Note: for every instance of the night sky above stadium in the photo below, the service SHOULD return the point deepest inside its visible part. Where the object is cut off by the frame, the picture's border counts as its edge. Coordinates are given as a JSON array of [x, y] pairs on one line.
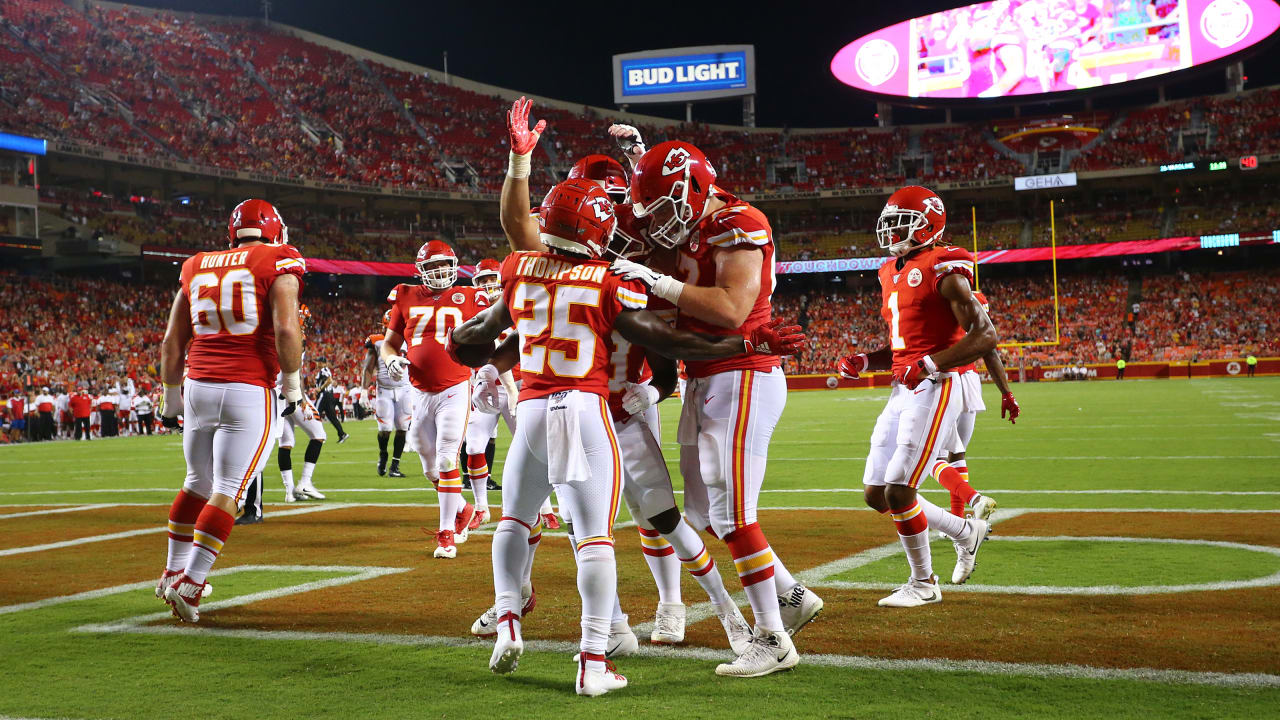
[[564, 50]]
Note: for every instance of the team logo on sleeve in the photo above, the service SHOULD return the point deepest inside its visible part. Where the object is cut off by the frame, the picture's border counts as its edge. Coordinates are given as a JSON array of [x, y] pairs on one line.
[[915, 277], [459, 298], [676, 160]]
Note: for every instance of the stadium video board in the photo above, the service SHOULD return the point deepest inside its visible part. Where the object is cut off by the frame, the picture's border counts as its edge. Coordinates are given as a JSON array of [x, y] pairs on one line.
[[684, 74], [1008, 48]]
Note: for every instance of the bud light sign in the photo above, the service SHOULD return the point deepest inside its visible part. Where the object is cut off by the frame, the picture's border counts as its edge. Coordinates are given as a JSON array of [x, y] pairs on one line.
[[684, 74]]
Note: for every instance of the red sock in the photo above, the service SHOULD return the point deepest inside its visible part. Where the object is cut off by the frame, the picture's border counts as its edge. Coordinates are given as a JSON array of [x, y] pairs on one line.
[[182, 520], [213, 527], [910, 520], [955, 483], [477, 468], [753, 559]]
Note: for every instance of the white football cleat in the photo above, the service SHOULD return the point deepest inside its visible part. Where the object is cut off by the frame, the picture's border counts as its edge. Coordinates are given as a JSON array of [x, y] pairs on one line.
[[289, 493], [593, 683], [798, 607], [307, 490], [508, 647], [984, 508], [486, 625], [768, 653], [445, 547], [622, 641], [668, 624], [736, 629], [169, 578], [184, 597], [967, 551], [913, 593]]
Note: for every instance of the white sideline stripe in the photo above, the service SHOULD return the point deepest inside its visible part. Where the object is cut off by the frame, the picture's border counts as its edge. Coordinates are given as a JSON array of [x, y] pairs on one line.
[[819, 574], [55, 511], [221, 572], [144, 531], [293, 508], [855, 662], [1001, 491]]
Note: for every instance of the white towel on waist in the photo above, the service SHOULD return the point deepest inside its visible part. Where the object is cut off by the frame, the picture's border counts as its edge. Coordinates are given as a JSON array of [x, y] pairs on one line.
[[566, 456]]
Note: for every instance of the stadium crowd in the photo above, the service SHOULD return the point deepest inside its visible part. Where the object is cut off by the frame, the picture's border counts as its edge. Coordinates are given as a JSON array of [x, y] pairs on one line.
[[98, 335], [241, 95]]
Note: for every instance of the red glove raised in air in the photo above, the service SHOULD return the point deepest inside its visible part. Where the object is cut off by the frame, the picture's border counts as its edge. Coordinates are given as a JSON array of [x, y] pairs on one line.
[[1009, 404], [774, 338], [853, 365], [522, 138]]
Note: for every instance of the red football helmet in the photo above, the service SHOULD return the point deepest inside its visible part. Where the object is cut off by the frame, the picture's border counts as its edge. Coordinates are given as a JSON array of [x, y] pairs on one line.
[[386, 319], [257, 220], [605, 170], [437, 265], [577, 217], [304, 314], [912, 218], [671, 185], [488, 276]]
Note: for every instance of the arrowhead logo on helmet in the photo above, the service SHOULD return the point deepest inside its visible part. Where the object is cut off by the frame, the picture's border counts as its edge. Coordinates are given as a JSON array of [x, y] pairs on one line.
[[671, 185], [437, 265], [912, 218], [577, 217]]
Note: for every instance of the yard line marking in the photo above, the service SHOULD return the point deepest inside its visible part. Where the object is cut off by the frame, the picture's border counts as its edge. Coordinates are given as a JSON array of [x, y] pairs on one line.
[[889, 550], [145, 531], [855, 662], [360, 572], [55, 511]]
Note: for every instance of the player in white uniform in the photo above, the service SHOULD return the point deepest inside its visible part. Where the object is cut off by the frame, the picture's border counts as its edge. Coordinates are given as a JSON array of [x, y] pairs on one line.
[[307, 419], [392, 403]]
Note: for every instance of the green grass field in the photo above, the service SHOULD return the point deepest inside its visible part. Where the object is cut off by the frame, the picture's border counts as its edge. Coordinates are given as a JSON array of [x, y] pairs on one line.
[[1134, 573]]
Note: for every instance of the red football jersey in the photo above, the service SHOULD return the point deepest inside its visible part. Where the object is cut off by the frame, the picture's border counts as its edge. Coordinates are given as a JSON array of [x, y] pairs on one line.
[[234, 337], [425, 318], [564, 311], [737, 225], [920, 319]]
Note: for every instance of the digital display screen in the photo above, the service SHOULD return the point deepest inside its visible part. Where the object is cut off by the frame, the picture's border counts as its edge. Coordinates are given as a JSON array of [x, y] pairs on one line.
[[1008, 48]]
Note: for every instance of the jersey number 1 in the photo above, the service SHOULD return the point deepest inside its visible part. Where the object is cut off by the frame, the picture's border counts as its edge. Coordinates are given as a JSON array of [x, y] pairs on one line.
[[896, 341]]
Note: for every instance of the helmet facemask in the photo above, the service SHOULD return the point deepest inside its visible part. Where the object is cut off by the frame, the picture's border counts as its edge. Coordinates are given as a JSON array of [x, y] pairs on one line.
[[897, 227], [674, 230], [438, 273], [490, 283]]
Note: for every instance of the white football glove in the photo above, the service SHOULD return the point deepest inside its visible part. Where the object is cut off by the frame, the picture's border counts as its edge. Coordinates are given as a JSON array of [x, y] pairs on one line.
[[485, 397], [171, 407], [663, 286], [629, 142], [636, 398], [396, 366]]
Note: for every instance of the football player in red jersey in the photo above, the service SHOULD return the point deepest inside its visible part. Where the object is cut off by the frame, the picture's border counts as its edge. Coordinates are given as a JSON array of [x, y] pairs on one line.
[[234, 325], [722, 281], [422, 316], [392, 405], [667, 540], [565, 304], [935, 326]]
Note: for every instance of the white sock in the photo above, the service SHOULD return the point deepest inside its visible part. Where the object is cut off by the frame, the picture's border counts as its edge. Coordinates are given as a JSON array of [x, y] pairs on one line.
[[308, 469], [917, 547], [450, 504], [954, 527], [287, 477], [690, 551], [663, 564], [510, 555], [526, 579], [597, 584], [783, 580]]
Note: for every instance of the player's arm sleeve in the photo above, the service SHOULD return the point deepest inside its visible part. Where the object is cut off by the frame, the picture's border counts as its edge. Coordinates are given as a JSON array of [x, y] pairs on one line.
[[953, 261], [290, 262], [741, 228]]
